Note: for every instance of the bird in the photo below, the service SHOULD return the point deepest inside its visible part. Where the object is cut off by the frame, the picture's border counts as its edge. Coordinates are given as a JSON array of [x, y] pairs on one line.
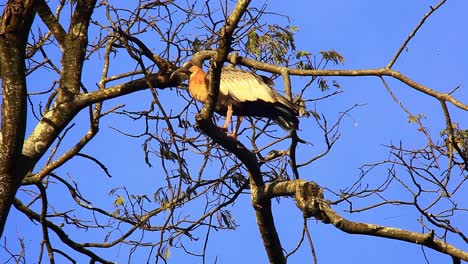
[[242, 93]]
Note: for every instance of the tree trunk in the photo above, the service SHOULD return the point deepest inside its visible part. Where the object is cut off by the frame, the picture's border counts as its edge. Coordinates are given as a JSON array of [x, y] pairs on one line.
[[16, 21], [13, 125]]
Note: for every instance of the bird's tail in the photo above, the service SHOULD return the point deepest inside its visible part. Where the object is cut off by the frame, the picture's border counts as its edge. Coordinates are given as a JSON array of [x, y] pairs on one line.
[[286, 118]]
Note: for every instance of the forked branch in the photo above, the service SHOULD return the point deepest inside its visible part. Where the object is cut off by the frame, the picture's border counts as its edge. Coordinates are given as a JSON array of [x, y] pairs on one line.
[[309, 199], [262, 206]]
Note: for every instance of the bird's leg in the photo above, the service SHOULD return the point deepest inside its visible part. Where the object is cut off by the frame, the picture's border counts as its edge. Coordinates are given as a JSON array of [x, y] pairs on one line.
[[239, 120], [228, 117], [229, 113]]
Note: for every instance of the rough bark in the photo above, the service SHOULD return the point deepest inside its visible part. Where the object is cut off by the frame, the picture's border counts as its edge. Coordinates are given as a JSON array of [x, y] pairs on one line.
[[16, 22], [309, 198], [262, 206], [18, 155]]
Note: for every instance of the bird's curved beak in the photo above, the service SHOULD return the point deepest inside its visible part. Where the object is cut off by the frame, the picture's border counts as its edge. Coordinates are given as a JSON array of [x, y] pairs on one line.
[[180, 74]]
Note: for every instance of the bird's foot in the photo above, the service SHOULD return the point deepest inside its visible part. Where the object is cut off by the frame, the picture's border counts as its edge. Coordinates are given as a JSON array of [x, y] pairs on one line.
[[231, 135]]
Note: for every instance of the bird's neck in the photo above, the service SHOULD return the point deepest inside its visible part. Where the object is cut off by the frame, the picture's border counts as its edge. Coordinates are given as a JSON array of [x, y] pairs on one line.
[[198, 86]]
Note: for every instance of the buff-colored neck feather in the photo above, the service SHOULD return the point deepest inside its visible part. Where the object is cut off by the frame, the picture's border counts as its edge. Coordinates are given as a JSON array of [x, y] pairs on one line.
[[198, 86]]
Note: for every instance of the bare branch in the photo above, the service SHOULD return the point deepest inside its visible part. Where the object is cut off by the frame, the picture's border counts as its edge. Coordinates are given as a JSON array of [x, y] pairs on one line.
[[60, 233], [353, 73], [415, 30], [309, 198], [52, 22]]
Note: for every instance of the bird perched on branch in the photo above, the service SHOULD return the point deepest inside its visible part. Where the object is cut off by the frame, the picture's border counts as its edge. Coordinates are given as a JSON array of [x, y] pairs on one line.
[[242, 93]]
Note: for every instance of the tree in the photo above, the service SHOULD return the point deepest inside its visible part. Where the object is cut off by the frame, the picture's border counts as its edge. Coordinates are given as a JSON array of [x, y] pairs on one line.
[[59, 68]]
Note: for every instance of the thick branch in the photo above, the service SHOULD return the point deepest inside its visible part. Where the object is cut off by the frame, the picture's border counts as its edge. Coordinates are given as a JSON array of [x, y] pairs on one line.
[[221, 54], [262, 206], [55, 120], [352, 73], [51, 21], [158, 80], [74, 50], [14, 29], [58, 117], [394, 233], [309, 198]]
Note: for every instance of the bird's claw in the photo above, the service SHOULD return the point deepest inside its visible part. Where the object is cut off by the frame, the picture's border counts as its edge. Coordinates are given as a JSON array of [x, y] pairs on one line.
[[231, 135]]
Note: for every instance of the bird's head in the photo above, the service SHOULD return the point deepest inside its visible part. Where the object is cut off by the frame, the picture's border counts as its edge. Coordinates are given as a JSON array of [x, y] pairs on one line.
[[183, 72]]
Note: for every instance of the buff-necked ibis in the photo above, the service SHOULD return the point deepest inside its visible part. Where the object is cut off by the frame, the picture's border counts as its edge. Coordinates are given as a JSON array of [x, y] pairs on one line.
[[242, 93]]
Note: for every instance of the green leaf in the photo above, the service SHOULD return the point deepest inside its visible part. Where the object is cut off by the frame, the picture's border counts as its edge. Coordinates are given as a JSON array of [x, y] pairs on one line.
[[333, 56], [253, 45], [167, 253], [323, 84], [412, 119], [226, 219], [197, 45], [336, 84], [271, 43], [116, 213], [302, 53], [293, 28], [119, 201]]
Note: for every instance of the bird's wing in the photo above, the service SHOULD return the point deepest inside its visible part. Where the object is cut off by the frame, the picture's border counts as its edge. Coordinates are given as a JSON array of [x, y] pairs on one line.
[[243, 86]]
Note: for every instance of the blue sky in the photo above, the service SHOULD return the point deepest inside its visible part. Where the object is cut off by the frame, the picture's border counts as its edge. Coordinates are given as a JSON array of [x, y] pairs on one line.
[[367, 33]]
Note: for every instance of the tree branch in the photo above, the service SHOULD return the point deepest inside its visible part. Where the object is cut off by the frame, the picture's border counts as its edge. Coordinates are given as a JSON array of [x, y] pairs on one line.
[[60, 233], [74, 51], [15, 24], [157, 80], [394, 233], [51, 21], [403, 46], [309, 198], [352, 73], [262, 206]]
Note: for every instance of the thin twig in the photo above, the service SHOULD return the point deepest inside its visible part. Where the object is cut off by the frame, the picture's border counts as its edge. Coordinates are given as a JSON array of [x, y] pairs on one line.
[[311, 244], [403, 46]]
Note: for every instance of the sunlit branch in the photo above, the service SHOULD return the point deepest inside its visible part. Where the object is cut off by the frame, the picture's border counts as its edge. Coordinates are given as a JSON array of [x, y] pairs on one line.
[[353, 73], [52, 22], [309, 199], [262, 206], [158, 80], [198, 171], [427, 240]]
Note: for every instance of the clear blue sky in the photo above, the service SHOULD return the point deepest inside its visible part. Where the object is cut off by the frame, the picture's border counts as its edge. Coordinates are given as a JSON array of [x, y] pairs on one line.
[[367, 33]]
